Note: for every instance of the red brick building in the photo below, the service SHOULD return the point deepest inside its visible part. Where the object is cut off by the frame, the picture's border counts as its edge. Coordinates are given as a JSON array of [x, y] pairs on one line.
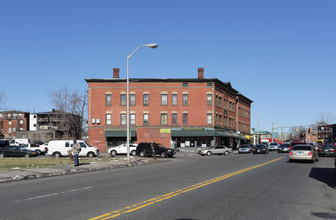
[[13, 121], [186, 113]]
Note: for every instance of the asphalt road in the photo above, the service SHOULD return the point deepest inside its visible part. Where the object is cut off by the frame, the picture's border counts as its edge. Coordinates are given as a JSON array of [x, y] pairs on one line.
[[189, 187]]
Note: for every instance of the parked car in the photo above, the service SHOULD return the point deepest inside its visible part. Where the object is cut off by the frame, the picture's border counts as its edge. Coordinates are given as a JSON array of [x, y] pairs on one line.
[[4, 142], [122, 149], [58, 148], [273, 146], [145, 149], [245, 149], [260, 149], [218, 149], [284, 148], [16, 151], [303, 152], [327, 150]]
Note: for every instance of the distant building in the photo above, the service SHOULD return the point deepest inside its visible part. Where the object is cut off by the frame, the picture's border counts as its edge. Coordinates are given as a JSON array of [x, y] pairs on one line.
[[327, 133], [179, 113], [42, 126]]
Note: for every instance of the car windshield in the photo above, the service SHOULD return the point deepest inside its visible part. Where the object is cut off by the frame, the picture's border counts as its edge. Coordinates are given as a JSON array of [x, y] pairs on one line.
[[302, 147], [245, 146], [274, 144], [284, 145]]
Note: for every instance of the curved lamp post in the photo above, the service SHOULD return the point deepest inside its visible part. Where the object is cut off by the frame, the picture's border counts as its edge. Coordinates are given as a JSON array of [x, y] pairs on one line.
[[127, 98]]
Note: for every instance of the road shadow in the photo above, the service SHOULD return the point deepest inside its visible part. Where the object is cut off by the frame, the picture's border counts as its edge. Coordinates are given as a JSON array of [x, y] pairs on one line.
[[324, 215], [325, 175]]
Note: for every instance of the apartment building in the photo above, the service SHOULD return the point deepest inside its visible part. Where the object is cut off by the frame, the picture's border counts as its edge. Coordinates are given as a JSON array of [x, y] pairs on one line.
[[180, 113], [42, 126], [11, 122]]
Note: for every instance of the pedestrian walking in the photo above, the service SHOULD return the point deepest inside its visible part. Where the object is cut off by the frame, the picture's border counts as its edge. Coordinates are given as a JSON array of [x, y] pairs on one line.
[[76, 148]]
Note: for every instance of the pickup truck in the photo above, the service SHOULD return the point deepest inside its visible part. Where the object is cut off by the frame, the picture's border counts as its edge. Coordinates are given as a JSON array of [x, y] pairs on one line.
[[39, 149]]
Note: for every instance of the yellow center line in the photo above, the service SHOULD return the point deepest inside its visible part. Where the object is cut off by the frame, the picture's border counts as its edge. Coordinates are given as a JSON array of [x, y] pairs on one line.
[[161, 198]]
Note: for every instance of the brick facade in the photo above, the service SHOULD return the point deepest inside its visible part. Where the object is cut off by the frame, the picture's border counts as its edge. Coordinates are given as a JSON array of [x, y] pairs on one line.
[[13, 121], [168, 103]]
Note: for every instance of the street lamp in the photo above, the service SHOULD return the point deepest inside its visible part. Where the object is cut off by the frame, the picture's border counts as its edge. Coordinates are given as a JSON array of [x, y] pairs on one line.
[[258, 124], [127, 98]]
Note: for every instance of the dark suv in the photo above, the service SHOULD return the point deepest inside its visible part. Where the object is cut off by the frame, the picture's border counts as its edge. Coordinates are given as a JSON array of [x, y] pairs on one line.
[[4, 143], [145, 149]]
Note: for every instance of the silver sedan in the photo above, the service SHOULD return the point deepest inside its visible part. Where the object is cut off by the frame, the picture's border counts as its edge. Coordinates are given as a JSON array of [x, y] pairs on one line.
[[303, 152], [219, 149]]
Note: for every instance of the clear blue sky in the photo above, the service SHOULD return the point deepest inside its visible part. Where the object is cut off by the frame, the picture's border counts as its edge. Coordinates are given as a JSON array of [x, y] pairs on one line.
[[280, 54]]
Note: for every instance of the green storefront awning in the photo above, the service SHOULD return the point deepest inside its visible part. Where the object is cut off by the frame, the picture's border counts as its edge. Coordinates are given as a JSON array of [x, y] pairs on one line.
[[239, 136], [223, 134], [119, 133]]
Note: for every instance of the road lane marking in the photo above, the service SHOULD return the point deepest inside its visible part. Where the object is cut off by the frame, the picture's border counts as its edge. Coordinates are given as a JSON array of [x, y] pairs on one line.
[[166, 196], [55, 194]]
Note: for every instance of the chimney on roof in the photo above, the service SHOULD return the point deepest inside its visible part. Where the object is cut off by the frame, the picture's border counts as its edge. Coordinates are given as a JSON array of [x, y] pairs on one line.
[[115, 73], [201, 73]]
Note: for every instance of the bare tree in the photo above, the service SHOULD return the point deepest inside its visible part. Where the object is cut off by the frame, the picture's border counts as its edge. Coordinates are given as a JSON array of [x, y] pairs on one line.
[[78, 103], [2, 99], [325, 119], [72, 107]]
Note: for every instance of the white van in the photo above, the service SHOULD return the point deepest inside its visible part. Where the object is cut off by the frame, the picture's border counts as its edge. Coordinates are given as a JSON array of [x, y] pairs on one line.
[[22, 141], [59, 148]]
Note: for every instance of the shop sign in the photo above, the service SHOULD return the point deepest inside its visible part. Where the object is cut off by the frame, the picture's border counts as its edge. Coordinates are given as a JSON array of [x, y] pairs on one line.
[[165, 130]]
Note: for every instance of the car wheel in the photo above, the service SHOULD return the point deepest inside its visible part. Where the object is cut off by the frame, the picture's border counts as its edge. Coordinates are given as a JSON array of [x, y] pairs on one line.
[[164, 155], [290, 160], [26, 156], [38, 152], [2, 155], [133, 153], [226, 153], [142, 153], [209, 153], [57, 154], [113, 153], [90, 154]]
